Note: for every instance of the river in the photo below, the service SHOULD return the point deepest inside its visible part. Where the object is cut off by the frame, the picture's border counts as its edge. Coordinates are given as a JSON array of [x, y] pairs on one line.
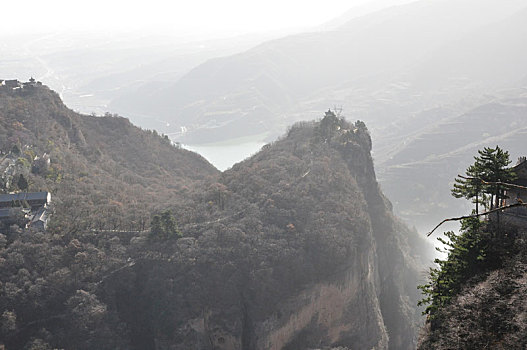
[[224, 155]]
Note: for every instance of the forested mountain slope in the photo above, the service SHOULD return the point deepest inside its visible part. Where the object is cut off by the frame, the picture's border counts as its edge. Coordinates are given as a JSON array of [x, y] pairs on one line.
[[101, 166], [490, 309], [105, 175], [293, 248]]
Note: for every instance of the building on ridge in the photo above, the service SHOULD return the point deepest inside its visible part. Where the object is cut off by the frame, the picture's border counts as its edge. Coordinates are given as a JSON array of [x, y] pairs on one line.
[[514, 195], [27, 209]]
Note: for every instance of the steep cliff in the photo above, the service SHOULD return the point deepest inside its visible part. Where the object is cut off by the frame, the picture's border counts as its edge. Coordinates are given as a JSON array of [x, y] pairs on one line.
[[298, 250]]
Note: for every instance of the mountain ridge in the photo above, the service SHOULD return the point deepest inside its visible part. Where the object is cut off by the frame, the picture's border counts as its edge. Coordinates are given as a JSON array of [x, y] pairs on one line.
[[294, 247]]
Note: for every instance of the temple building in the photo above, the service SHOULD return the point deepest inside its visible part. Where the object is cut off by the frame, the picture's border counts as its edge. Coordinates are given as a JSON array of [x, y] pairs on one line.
[[518, 215]]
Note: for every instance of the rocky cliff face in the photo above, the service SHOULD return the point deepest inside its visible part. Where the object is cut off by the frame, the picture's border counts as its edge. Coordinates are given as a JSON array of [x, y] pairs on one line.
[[300, 250]]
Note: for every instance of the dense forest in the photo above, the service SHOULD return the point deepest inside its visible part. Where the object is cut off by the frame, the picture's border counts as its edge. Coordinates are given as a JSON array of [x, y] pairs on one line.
[[99, 167], [150, 247]]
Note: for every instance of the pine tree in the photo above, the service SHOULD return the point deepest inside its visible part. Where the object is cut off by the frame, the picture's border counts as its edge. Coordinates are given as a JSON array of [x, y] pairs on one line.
[[467, 255], [489, 166], [169, 225], [470, 186], [156, 228], [164, 226], [494, 163], [22, 183], [474, 250]]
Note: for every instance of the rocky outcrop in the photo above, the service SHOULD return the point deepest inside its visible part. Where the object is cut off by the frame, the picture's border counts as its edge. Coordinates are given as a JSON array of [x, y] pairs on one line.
[[300, 251], [331, 312]]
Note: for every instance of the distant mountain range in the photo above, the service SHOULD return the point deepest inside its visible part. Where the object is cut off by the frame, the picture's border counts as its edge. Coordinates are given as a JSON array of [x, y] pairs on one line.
[[380, 67], [412, 72]]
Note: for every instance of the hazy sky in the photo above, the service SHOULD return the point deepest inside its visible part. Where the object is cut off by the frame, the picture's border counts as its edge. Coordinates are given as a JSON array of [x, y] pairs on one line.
[[198, 16]]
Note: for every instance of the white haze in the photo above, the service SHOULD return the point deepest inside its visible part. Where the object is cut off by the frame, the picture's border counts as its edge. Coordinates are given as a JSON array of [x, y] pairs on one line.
[[198, 18]]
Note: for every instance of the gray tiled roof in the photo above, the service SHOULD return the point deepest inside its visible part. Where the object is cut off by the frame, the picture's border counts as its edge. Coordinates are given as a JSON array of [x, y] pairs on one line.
[[28, 196]]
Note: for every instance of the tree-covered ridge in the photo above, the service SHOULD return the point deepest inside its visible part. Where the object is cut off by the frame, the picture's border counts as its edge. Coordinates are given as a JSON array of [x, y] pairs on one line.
[[106, 176], [482, 246], [100, 167], [223, 256], [308, 202]]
